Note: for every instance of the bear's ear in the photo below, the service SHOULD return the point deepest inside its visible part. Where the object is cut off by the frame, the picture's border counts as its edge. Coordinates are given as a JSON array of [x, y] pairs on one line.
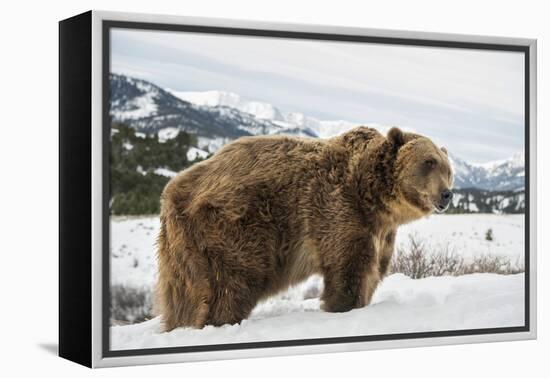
[[396, 137], [444, 150]]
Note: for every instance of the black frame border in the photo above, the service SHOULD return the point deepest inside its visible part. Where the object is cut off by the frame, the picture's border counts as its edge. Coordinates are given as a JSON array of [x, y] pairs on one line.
[[107, 25], [75, 189]]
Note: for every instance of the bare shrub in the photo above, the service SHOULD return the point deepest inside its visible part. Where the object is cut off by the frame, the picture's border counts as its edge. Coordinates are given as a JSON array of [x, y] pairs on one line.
[[417, 260], [493, 264], [445, 261], [130, 304], [413, 262]]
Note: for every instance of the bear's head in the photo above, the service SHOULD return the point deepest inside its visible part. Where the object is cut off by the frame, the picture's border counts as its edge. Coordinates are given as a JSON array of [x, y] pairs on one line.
[[422, 173]]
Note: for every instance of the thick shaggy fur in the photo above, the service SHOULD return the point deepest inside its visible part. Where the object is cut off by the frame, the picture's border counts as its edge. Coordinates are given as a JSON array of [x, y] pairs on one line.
[[265, 213]]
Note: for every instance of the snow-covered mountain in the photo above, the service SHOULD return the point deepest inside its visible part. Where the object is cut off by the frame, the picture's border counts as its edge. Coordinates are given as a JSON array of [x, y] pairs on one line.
[[151, 109], [217, 117], [508, 174], [260, 110], [266, 111]]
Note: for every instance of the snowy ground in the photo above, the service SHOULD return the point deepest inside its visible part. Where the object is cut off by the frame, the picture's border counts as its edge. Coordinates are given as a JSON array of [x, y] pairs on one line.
[[465, 233], [400, 304]]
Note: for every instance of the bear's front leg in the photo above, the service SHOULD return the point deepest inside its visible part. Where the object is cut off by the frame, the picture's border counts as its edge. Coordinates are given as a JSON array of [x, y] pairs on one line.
[[378, 271], [351, 275]]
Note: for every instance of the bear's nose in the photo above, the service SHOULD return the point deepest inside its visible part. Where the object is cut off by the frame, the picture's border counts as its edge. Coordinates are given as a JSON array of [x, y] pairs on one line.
[[447, 195]]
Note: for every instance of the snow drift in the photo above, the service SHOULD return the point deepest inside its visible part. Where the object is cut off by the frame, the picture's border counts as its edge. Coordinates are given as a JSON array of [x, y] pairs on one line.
[[400, 305]]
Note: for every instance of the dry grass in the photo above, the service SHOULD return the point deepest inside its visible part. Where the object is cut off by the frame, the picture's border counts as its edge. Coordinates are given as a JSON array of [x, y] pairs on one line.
[[130, 305], [418, 260]]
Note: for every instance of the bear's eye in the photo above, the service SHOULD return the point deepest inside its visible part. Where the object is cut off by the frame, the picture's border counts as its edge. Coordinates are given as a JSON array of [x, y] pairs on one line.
[[430, 163]]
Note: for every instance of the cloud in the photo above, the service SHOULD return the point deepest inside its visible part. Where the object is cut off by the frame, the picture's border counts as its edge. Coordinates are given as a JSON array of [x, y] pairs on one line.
[[464, 96]]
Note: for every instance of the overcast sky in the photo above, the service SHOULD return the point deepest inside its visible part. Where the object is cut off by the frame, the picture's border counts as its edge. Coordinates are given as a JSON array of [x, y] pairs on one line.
[[471, 101]]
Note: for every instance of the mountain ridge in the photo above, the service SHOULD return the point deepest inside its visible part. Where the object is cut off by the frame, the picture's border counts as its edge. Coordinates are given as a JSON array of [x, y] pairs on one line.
[[505, 174], [217, 117], [266, 111]]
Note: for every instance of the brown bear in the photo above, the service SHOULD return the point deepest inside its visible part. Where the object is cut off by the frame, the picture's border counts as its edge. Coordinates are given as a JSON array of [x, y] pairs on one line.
[[267, 212]]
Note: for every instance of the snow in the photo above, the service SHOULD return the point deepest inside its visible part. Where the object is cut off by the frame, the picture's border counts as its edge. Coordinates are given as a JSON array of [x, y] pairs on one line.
[[140, 170], [208, 98], [329, 129], [473, 207], [465, 233], [506, 174], [138, 107], [211, 144], [521, 201], [517, 160], [262, 110], [193, 153], [259, 109], [167, 133], [400, 304], [133, 240], [255, 130], [165, 172], [456, 198]]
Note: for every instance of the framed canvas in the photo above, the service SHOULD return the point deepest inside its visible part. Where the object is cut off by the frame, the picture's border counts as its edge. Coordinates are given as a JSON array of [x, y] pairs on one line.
[[232, 189]]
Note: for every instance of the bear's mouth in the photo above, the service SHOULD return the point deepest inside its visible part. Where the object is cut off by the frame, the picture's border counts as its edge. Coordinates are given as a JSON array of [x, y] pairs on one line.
[[440, 208]]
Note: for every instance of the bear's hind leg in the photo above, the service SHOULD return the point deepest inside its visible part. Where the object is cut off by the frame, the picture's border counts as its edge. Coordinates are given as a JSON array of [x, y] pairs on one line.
[[183, 290], [233, 298], [180, 306]]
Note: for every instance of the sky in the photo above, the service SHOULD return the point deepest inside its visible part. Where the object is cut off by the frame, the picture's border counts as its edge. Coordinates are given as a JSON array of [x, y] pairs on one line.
[[470, 101]]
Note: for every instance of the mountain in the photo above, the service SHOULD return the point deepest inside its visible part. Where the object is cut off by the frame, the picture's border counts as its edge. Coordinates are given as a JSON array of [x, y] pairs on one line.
[[151, 109], [217, 117], [500, 175], [298, 122], [260, 110]]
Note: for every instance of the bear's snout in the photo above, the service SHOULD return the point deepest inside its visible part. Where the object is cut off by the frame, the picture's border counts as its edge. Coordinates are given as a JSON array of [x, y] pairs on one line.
[[444, 201]]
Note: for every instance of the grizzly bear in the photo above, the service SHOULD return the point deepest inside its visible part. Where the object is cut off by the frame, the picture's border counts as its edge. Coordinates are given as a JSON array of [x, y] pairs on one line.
[[266, 212]]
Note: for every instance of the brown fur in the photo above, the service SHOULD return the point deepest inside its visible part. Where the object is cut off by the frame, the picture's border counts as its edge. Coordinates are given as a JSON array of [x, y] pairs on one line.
[[265, 213]]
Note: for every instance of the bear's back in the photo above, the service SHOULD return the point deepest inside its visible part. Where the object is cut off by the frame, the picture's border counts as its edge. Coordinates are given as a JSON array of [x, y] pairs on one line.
[[247, 170]]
